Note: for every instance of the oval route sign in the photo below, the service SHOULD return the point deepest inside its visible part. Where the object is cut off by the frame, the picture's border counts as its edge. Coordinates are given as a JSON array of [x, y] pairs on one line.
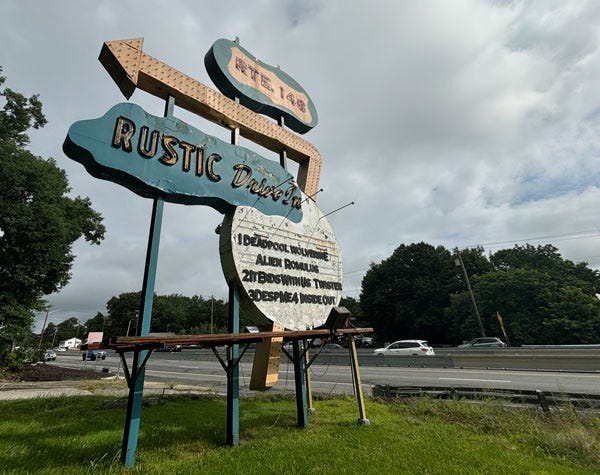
[[260, 87]]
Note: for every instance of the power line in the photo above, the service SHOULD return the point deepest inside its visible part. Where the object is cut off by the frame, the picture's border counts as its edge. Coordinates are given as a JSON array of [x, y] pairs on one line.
[[557, 237], [355, 271]]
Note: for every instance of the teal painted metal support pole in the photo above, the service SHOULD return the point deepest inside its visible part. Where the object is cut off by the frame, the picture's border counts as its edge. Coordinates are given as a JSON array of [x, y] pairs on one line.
[[301, 399], [301, 377], [150, 268], [132, 419], [136, 386], [233, 371], [233, 353]]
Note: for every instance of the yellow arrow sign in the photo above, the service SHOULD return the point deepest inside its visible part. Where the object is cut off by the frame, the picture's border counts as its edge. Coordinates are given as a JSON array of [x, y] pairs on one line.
[[130, 67]]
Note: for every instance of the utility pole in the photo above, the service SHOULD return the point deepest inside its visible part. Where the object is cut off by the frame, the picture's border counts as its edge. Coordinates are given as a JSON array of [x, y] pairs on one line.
[[459, 262], [43, 330], [212, 313]]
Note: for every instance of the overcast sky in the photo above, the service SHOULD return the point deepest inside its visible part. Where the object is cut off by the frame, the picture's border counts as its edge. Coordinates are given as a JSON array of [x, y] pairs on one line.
[[456, 123]]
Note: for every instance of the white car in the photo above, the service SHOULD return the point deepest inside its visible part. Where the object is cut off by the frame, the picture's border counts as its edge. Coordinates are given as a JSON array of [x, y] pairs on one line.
[[406, 347]]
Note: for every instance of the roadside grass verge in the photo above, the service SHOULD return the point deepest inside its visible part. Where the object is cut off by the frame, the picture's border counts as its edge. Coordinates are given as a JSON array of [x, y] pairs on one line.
[[420, 435]]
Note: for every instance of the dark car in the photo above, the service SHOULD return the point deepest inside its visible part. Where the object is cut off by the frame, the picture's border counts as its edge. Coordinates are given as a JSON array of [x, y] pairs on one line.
[[93, 355], [484, 342], [170, 348]]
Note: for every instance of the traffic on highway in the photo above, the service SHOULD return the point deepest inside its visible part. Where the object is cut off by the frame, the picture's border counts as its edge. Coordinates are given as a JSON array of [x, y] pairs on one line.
[[330, 372]]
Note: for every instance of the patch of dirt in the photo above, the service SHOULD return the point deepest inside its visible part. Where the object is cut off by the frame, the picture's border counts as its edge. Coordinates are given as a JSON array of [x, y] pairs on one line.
[[45, 372]]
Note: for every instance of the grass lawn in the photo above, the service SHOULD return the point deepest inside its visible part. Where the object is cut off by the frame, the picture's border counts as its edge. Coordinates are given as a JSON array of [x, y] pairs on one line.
[[183, 435]]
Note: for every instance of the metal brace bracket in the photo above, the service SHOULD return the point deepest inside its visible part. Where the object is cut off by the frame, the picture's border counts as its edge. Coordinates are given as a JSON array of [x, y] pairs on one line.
[[234, 362], [137, 349]]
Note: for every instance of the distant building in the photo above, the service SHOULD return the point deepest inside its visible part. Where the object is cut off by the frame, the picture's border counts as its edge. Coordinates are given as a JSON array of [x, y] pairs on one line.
[[69, 344]]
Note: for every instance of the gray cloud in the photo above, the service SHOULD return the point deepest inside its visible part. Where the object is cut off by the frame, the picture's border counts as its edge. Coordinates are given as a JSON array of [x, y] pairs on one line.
[[455, 123]]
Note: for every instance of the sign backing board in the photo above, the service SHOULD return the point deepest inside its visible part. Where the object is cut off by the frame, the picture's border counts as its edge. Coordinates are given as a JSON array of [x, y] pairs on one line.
[[289, 273]]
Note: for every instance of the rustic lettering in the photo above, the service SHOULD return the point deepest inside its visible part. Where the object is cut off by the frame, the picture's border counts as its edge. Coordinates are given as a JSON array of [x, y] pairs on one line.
[[124, 130]]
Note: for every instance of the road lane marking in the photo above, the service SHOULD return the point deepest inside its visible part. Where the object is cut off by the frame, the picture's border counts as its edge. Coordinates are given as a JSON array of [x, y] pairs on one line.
[[478, 380]]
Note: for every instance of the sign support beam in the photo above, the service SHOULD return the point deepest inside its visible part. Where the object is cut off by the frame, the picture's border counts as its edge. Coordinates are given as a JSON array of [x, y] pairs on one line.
[[136, 388], [233, 370], [299, 378], [362, 413], [309, 400], [233, 351]]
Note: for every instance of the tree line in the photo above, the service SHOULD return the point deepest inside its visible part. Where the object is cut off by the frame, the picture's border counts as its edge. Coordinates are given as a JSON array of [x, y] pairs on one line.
[[176, 314], [420, 292]]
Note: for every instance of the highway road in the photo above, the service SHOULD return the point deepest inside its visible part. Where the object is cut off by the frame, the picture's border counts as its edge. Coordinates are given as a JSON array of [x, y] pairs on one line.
[[184, 368]]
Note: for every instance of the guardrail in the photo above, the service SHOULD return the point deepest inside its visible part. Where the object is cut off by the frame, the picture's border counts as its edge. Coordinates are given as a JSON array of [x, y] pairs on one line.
[[544, 399], [584, 360], [541, 359], [369, 359], [517, 358]]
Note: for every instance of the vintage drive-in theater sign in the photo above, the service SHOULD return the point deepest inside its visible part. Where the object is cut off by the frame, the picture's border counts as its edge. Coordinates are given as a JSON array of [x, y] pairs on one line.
[[151, 155], [275, 242], [278, 252]]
